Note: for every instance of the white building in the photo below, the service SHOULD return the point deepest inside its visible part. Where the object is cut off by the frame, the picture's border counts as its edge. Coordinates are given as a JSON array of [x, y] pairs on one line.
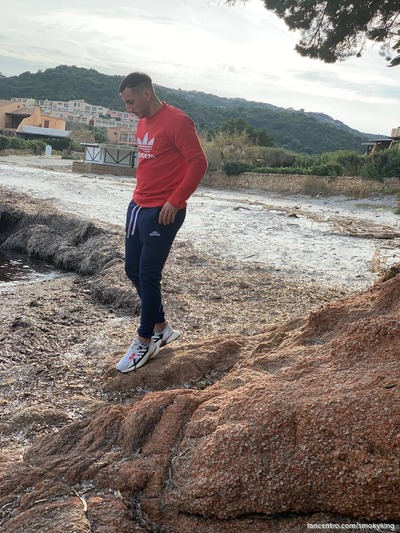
[[84, 113]]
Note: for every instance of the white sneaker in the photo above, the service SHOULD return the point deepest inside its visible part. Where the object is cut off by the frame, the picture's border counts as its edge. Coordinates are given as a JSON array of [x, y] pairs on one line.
[[137, 355], [166, 336]]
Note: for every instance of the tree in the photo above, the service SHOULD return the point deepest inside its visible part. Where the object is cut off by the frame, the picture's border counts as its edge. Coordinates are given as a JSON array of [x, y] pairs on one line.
[[332, 30], [100, 134], [259, 137], [230, 145]]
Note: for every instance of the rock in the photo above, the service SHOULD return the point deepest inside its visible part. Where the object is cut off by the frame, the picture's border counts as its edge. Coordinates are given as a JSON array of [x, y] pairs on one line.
[[301, 426]]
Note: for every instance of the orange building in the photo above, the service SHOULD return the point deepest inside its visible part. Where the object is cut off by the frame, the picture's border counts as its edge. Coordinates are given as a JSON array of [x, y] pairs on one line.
[[7, 108], [37, 120], [121, 136]]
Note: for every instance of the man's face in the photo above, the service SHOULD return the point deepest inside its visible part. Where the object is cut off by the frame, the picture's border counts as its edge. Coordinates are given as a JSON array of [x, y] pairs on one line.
[[137, 101]]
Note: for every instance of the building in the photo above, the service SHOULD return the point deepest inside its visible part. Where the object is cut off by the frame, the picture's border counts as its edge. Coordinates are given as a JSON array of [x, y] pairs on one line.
[[81, 112], [38, 125], [121, 136], [107, 159], [18, 120], [377, 145], [11, 114]]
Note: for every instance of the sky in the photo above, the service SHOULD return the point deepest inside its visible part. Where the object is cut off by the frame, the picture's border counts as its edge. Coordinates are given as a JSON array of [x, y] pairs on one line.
[[242, 51]]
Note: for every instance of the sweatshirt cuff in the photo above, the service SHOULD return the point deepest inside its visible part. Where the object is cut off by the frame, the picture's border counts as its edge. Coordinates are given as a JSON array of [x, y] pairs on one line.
[[177, 202]]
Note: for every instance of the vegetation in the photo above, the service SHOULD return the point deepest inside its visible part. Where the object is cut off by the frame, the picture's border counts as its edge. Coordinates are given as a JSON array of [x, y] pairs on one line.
[[16, 143], [100, 134], [385, 164], [36, 146], [332, 30], [234, 153], [297, 131]]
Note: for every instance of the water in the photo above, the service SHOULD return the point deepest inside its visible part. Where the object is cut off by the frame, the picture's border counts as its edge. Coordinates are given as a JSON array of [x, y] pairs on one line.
[[16, 266]]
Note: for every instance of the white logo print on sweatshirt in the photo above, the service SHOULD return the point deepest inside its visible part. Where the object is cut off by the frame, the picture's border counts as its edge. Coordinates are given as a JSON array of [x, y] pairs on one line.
[[145, 146]]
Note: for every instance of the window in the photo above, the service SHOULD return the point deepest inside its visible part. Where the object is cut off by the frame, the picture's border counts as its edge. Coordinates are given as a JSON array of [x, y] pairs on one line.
[[123, 137], [46, 124]]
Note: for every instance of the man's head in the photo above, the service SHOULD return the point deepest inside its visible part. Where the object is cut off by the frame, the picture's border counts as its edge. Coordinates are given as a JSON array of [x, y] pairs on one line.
[[136, 80], [137, 93]]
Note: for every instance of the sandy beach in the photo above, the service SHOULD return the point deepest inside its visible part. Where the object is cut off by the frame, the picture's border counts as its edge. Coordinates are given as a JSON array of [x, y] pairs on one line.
[[302, 237]]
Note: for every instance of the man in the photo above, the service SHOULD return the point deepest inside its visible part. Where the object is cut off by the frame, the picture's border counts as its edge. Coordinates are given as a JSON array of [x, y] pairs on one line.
[[171, 165]]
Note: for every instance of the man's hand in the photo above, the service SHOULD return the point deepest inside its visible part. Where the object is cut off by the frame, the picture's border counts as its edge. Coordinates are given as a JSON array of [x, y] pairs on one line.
[[167, 214]]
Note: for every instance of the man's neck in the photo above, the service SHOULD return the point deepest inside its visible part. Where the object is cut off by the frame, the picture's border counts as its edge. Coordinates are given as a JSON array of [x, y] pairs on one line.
[[155, 106]]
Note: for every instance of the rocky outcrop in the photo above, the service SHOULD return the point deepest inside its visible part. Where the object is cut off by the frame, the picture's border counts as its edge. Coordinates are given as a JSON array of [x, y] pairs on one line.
[[69, 243], [268, 433]]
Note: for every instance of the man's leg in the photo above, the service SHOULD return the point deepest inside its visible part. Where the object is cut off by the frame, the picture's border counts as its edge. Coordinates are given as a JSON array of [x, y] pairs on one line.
[[133, 246], [157, 244], [147, 246]]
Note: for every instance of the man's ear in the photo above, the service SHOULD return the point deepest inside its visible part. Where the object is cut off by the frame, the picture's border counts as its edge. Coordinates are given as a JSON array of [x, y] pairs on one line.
[[147, 94]]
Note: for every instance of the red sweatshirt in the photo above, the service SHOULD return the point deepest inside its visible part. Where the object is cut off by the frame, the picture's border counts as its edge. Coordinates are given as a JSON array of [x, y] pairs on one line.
[[171, 159]]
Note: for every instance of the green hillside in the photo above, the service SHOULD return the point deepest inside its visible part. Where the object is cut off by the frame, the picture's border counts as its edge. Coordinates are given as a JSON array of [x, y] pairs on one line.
[[295, 130]]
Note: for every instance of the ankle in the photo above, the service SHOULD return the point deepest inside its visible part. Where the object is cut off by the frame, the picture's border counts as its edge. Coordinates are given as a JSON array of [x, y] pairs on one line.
[[144, 340], [158, 328]]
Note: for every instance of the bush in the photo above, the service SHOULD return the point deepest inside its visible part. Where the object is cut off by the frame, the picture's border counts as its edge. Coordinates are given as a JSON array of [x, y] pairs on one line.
[[351, 162], [18, 144], [4, 142], [213, 155], [233, 168], [59, 144], [327, 169], [37, 147], [306, 160], [273, 157], [382, 165]]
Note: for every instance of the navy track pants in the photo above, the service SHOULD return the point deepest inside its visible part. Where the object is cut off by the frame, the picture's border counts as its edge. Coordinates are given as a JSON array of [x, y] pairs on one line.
[[147, 245]]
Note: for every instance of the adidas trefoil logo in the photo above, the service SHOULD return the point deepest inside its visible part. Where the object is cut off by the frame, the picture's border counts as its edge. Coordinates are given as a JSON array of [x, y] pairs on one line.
[[154, 234], [145, 145]]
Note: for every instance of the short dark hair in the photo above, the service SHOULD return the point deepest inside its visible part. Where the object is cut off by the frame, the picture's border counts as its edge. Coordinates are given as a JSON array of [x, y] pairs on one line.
[[134, 80]]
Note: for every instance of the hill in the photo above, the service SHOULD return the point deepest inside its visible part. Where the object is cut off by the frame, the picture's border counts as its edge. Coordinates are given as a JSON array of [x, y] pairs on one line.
[[295, 130]]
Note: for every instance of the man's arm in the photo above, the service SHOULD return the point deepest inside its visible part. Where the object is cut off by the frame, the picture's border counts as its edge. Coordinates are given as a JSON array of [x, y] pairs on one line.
[[183, 135]]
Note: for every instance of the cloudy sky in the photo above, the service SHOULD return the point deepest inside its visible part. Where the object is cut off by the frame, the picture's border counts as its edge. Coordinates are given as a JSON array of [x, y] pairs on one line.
[[242, 51]]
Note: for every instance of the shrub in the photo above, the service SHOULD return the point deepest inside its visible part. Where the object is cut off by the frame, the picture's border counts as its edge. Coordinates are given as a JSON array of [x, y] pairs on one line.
[[18, 144], [351, 162], [269, 157], [59, 144], [280, 170], [4, 142], [232, 168], [385, 164], [305, 160], [327, 169], [37, 147], [213, 156]]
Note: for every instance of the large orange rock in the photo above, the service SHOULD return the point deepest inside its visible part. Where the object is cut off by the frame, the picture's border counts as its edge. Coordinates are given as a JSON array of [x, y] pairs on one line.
[[299, 425]]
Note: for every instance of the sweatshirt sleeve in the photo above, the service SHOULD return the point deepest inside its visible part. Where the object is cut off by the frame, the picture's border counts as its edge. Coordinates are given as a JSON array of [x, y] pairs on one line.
[[183, 134]]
